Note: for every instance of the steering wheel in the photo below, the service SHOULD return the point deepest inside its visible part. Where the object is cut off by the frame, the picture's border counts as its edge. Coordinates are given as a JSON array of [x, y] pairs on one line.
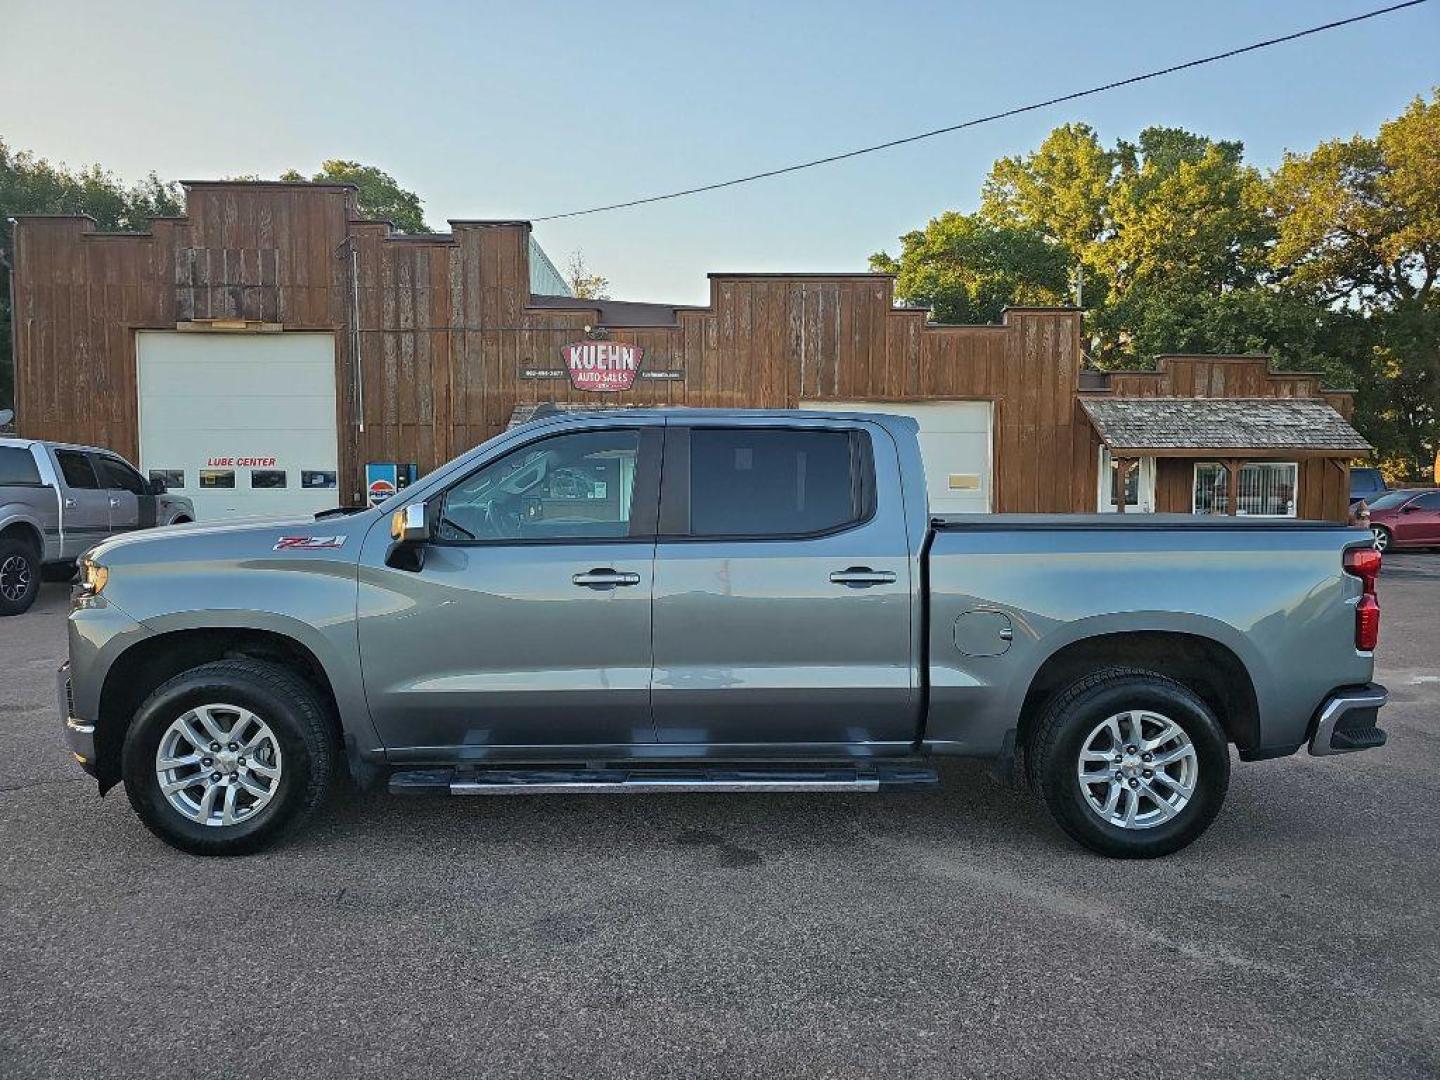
[[501, 523]]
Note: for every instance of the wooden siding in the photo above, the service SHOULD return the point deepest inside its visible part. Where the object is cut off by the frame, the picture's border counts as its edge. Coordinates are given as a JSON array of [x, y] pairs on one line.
[[445, 331]]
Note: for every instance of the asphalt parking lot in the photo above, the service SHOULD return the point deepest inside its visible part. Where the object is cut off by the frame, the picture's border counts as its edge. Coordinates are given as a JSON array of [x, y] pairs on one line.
[[947, 934]]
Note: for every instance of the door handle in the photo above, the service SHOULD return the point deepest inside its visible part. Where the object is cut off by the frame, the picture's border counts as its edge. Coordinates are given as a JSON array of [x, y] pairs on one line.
[[861, 577], [603, 577]]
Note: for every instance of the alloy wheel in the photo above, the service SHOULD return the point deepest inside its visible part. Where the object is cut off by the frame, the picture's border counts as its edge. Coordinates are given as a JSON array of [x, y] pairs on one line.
[[1137, 769], [15, 577], [1381, 537], [218, 764]]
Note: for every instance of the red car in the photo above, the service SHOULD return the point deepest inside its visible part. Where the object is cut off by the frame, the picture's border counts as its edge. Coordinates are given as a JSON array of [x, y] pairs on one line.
[[1408, 518]]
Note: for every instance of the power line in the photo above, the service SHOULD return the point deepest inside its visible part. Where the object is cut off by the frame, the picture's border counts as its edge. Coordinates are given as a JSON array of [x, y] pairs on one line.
[[992, 117]]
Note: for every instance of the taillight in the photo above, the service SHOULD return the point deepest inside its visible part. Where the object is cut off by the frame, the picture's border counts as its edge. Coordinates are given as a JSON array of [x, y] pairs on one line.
[[1364, 563]]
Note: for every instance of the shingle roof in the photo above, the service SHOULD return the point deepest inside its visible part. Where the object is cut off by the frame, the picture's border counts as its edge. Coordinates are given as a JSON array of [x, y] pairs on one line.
[[1160, 423]]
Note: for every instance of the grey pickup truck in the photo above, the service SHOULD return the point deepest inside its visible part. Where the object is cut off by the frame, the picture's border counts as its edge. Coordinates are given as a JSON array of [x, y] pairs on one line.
[[58, 500], [693, 600]]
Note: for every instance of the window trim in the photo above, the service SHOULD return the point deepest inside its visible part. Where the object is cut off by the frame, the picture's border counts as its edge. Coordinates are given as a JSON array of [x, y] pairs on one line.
[[644, 497], [1234, 512], [675, 526]]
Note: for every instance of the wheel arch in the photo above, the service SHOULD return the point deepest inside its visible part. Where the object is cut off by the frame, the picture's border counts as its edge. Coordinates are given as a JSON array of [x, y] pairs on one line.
[[19, 528], [135, 674], [1207, 666]]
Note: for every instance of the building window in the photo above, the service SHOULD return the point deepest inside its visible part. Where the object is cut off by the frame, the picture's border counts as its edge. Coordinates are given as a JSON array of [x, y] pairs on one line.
[[173, 479], [217, 478], [317, 478], [1139, 484], [266, 478], [1266, 489]]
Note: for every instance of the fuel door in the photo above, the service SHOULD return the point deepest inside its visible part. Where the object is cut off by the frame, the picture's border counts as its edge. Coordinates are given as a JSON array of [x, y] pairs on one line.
[[983, 633]]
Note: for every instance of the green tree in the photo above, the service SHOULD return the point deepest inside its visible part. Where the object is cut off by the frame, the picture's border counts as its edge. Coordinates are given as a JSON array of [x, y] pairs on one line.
[[967, 269], [379, 195], [31, 185], [1358, 224], [1062, 191]]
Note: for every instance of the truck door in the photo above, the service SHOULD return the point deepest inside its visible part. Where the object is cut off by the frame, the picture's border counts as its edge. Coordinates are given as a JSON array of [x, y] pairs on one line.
[[131, 504], [529, 622], [782, 589], [84, 505]]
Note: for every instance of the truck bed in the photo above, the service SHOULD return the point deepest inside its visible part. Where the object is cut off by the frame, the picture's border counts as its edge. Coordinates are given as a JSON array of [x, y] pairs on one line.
[[1009, 592]]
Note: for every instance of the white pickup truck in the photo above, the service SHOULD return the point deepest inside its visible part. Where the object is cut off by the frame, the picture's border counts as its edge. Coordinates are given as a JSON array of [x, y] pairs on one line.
[[57, 501]]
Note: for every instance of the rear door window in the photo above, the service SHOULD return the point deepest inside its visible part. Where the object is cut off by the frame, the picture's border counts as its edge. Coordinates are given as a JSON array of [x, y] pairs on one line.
[[17, 466], [75, 467], [774, 482]]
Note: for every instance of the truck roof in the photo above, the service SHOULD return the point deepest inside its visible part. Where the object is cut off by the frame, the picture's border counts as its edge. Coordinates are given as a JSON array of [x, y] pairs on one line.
[[683, 413], [15, 440]]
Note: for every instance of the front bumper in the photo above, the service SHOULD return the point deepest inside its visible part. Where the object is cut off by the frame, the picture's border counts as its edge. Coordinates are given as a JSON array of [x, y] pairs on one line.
[[1348, 721], [79, 734]]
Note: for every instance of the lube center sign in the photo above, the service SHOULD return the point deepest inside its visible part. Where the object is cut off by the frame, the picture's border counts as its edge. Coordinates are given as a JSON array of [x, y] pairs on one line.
[[602, 366]]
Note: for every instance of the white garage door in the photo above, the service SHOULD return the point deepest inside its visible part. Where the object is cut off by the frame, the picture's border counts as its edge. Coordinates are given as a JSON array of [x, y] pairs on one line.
[[243, 424], [955, 441]]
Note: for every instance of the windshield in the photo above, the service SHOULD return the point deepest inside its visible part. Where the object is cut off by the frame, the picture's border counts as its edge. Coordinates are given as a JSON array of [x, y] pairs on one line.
[[1392, 499]]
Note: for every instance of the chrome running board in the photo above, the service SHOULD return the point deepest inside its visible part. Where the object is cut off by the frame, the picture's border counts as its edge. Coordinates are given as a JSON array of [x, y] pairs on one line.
[[660, 781]]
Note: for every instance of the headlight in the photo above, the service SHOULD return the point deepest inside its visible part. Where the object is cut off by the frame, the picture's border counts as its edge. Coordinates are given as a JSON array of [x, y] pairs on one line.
[[93, 577]]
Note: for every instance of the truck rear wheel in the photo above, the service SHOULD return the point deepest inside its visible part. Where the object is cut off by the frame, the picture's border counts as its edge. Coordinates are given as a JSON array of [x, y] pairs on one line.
[[19, 576], [1130, 763], [225, 757]]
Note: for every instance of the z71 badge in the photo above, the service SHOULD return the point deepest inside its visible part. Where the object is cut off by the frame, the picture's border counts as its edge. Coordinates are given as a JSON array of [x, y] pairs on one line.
[[308, 543]]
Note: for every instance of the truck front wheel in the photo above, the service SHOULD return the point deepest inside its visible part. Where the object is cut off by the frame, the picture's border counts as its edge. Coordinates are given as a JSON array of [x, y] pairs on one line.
[[223, 758], [1130, 763]]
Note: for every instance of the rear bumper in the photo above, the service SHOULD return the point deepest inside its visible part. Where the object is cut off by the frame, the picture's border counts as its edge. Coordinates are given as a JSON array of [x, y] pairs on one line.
[[1348, 721]]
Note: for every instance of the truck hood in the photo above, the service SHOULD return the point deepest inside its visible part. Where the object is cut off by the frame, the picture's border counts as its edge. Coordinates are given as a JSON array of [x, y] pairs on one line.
[[246, 538]]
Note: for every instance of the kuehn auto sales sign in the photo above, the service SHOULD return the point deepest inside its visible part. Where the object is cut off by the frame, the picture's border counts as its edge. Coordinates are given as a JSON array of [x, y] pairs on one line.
[[602, 366]]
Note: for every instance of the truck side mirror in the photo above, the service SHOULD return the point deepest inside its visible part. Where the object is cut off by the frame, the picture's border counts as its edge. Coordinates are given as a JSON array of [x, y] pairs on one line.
[[411, 528], [411, 524], [157, 486]]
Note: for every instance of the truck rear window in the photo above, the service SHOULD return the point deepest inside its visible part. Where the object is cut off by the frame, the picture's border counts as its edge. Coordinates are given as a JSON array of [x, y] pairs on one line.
[[769, 482], [17, 466]]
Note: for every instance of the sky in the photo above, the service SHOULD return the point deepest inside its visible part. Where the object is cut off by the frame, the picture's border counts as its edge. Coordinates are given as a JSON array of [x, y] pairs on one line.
[[521, 109]]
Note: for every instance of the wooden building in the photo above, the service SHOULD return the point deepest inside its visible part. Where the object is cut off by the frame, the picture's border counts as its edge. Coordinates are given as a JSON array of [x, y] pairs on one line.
[[434, 341]]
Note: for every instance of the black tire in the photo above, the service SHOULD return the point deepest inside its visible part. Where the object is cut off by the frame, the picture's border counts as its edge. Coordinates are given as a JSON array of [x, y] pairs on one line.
[[295, 714], [1066, 724], [19, 576], [1382, 538]]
